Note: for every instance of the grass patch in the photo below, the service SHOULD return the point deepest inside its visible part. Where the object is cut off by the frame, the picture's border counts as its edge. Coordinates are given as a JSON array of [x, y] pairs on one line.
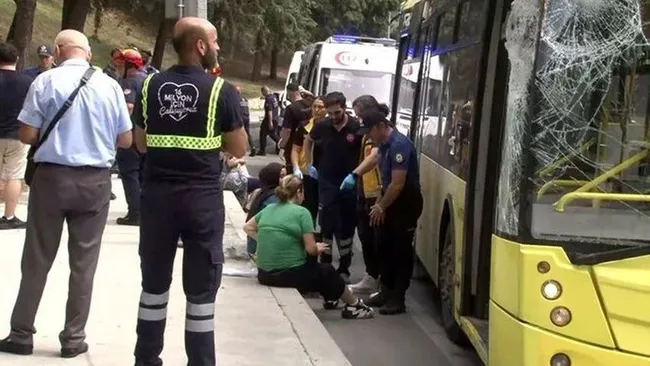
[[117, 30]]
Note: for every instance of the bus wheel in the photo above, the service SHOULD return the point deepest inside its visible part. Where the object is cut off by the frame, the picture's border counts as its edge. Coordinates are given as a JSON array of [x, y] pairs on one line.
[[446, 288]]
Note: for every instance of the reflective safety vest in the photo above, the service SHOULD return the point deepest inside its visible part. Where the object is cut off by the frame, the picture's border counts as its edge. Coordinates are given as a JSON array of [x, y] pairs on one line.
[[371, 181], [187, 123], [302, 158]]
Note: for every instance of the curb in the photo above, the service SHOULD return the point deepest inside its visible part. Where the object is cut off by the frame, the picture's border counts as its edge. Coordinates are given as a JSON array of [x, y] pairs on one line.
[[316, 341], [234, 245]]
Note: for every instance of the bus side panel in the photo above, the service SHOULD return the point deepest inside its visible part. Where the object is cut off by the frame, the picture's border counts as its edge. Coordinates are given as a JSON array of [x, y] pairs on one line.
[[439, 184]]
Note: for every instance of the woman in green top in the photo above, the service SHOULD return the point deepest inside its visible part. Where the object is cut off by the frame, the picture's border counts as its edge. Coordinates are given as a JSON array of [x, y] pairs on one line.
[[285, 237]]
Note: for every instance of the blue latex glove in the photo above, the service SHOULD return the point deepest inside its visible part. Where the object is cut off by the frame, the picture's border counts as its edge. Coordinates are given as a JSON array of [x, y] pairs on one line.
[[297, 173], [313, 172], [349, 183]]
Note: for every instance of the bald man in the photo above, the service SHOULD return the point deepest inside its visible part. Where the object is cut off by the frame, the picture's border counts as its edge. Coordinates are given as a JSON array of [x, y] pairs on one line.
[[71, 183], [246, 118], [184, 117]]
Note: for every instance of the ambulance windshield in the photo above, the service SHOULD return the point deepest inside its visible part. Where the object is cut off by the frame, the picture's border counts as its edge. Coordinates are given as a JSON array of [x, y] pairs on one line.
[[355, 83]]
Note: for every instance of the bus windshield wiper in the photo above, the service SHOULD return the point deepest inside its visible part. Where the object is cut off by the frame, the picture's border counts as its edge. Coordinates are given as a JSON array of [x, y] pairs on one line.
[[608, 256]]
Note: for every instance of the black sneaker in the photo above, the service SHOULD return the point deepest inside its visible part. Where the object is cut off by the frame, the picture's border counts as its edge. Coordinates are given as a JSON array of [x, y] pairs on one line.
[[129, 220], [253, 153], [378, 299], [330, 305], [358, 311], [9, 346], [13, 223], [393, 307]]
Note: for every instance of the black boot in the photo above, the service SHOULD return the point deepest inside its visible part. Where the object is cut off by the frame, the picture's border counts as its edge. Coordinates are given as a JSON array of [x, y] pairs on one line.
[[394, 305]]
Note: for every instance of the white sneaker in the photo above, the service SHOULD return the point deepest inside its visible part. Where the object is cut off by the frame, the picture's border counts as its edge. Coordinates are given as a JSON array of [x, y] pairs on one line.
[[367, 284]]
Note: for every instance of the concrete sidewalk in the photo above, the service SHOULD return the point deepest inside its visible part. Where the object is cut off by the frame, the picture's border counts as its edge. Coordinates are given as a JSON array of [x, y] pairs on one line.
[[255, 325]]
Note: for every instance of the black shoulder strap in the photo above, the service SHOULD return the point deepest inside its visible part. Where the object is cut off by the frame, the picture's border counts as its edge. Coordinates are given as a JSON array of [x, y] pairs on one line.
[[64, 108]]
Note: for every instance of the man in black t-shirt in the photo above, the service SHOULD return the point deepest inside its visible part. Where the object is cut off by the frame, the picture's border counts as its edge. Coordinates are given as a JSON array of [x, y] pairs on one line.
[[13, 153], [184, 117], [341, 146], [295, 114]]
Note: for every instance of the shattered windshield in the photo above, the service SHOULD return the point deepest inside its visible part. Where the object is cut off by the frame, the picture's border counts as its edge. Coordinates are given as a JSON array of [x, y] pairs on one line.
[[576, 155]]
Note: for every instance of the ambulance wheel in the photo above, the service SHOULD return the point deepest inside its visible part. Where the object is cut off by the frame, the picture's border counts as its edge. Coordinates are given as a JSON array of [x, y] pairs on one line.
[[446, 289]]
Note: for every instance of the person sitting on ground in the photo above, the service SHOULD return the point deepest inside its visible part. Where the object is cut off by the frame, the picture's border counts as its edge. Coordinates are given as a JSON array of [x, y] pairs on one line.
[[285, 235], [235, 177], [269, 177]]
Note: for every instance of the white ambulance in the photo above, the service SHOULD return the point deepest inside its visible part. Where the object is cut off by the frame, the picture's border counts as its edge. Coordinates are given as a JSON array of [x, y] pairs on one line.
[[292, 76], [351, 65]]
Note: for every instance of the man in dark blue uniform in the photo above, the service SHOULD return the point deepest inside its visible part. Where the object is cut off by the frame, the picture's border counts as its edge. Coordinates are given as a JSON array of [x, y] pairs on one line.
[[397, 210], [130, 161], [46, 62], [341, 146], [186, 117], [270, 123]]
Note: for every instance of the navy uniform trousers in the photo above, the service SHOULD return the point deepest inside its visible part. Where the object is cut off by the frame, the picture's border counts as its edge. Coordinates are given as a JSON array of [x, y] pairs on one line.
[[169, 213], [337, 219]]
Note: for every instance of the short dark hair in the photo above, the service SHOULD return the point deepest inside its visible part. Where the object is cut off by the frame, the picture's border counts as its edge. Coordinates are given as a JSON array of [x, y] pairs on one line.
[[367, 101], [335, 98], [114, 50], [293, 87], [8, 53]]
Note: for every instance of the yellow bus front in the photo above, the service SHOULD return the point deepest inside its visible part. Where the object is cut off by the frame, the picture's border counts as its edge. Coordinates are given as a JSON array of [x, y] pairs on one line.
[[570, 260]]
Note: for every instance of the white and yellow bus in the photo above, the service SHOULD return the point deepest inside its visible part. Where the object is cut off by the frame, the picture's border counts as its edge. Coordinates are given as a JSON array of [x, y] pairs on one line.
[[534, 145]]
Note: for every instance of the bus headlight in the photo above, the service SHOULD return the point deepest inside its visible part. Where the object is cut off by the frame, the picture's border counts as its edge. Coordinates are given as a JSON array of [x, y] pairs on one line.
[[560, 359], [560, 316], [551, 290]]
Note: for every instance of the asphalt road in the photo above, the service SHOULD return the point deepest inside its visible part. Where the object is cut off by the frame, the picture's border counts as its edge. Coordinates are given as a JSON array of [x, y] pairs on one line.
[[414, 339]]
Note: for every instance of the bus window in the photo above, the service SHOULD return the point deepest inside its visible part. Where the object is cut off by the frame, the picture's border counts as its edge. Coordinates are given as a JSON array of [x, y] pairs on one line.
[[447, 22], [461, 90], [355, 83], [471, 21], [431, 110]]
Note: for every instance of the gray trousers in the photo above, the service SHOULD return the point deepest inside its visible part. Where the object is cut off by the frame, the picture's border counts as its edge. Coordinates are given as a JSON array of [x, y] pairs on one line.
[[80, 196]]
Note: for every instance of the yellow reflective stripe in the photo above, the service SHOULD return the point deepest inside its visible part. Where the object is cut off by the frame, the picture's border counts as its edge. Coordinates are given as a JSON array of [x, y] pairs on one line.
[[184, 142], [145, 92], [213, 106]]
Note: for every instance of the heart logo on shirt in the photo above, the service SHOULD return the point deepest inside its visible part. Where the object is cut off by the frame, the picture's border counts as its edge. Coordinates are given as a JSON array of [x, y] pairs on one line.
[[177, 101]]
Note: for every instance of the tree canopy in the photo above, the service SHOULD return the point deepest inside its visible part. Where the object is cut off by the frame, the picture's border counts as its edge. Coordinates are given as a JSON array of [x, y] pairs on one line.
[[261, 27]]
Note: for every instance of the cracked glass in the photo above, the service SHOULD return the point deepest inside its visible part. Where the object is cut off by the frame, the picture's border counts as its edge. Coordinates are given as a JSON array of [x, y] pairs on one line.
[[576, 149]]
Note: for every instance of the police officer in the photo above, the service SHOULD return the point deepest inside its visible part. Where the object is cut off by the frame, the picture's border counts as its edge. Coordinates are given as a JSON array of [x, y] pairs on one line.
[[185, 117], [341, 146], [270, 121], [130, 161], [396, 211], [246, 118]]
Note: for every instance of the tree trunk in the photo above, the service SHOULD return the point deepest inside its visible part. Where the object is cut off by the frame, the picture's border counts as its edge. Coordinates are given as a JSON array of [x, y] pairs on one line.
[[161, 42], [12, 28], [74, 14], [259, 58], [22, 39], [274, 63]]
